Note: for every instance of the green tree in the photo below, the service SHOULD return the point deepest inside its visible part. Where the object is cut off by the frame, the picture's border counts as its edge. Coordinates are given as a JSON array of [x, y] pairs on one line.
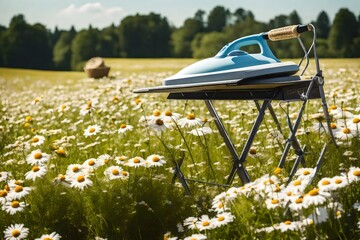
[[342, 33], [241, 14], [294, 18], [85, 45], [145, 36], [217, 19], [62, 51], [322, 25], [110, 42], [2, 30], [26, 46], [208, 44]]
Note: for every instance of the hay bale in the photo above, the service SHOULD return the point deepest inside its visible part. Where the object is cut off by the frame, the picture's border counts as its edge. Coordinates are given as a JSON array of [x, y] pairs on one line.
[[95, 68]]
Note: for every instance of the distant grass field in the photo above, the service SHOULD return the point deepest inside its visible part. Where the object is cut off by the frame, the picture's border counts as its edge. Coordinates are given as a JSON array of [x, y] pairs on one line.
[[84, 159]]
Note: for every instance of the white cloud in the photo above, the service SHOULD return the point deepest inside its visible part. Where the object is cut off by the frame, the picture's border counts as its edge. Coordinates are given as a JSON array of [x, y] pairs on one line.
[[90, 13]]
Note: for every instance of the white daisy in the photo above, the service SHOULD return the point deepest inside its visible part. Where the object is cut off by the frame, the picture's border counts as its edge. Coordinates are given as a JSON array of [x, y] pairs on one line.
[[189, 121], [344, 133], [4, 176], [159, 125], [204, 223], [219, 206], [89, 107], [36, 172], [16, 232], [63, 179], [353, 174], [124, 128], [37, 140], [169, 116], [201, 131], [190, 222], [92, 130], [305, 173], [325, 184], [19, 192], [37, 157], [91, 164], [51, 236], [81, 182], [115, 172], [121, 160], [315, 197], [339, 182], [104, 159], [135, 162], [222, 219], [196, 236], [287, 226], [13, 207], [296, 204], [154, 160], [63, 108], [273, 203], [4, 196], [75, 169]]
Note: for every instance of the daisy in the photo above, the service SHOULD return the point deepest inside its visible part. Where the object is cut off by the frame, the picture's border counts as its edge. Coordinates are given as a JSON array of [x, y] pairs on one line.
[[315, 197], [135, 162], [13, 207], [338, 182], [296, 204], [353, 174], [305, 173], [4, 196], [190, 222], [16, 232], [204, 223], [61, 152], [219, 206], [344, 133], [104, 159], [273, 203], [222, 219], [155, 160], [115, 172], [190, 120], [51, 236], [325, 184], [354, 124], [138, 103], [36, 172], [121, 160], [37, 157], [62, 108], [4, 176], [201, 131], [75, 169], [92, 130], [196, 237], [37, 140], [159, 125], [63, 179], [89, 107], [19, 192], [124, 128], [81, 182], [287, 226], [91, 164], [169, 116]]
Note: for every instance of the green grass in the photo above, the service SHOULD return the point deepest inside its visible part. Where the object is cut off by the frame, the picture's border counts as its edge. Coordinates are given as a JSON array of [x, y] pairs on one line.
[[147, 205]]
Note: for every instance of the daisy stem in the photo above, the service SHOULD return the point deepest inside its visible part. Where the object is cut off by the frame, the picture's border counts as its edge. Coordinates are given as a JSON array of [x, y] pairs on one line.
[[187, 146], [147, 126], [205, 147]]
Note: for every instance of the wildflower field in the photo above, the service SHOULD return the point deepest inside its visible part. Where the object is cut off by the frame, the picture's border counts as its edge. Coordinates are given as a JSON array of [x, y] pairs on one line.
[[89, 159]]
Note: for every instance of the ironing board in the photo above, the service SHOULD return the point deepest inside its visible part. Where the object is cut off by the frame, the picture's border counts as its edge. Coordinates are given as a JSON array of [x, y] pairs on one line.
[[265, 89]]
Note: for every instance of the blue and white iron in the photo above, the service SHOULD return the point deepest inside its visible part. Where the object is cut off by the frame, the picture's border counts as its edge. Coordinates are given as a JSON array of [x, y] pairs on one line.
[[231, 63]]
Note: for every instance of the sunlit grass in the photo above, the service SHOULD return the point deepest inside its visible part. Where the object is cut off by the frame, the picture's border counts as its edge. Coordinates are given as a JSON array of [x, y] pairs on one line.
[[52, 111]]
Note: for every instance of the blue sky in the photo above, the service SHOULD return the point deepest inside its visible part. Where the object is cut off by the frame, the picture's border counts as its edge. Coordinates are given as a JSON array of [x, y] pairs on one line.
[[81, 13]]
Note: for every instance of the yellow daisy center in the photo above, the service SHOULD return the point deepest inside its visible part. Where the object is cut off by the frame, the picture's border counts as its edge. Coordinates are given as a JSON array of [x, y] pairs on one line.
[[299, 200], [75, 169], [221, 218], [356, 120], [275, 201], [18, 189], [333, 126], [155, 159], [91, 130], [7, 188], [17, 182], [333, 107], [28, 118], [277, 170], [62, 178], [63, 107], [35, 169], [221, 205], [325, 182], [37, 155], [48, 239], [26, 125], [306, 172], [287, 222], [123, 126], [136, 160], [338, 181], [35, 139], [205, 223], [115, 172], [356, 173], [91, 163], [346, 131], [122, 158], [15, 204], [80, 179], [314, 192], [124, 173], [204, 119], [297, 183], [156, 113], [3, 193], [190, 116], [89, 104], [277, 189], [168, 113], [60, 151], [138, 101], [159, 122], [15, 233]]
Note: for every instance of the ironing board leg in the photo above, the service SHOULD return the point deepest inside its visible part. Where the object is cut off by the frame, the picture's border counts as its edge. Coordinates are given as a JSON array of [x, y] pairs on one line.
[[298, 160], [178, 174], [238, 163], [243, 174]]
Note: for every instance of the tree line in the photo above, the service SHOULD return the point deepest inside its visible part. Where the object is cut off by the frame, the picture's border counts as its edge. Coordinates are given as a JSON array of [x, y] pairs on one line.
[[23, 45]]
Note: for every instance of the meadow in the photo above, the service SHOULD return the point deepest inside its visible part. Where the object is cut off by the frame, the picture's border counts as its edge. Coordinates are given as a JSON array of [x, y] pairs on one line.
[[88, 159]]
